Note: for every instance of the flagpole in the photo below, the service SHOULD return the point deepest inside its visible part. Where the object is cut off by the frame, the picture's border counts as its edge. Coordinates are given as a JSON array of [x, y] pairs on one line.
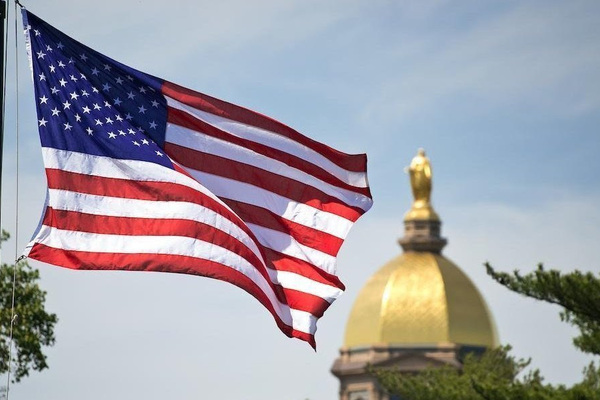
[[3, 56], [3, 49]]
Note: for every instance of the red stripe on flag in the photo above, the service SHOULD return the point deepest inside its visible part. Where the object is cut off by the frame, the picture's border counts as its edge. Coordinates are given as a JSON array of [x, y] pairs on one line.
[[130, 226], [304, 235], [140, 190], [284, 262], [102, 224], [83, 260], [351, 162], [306, 302], [183, 119], [286, 187], [166, 191]]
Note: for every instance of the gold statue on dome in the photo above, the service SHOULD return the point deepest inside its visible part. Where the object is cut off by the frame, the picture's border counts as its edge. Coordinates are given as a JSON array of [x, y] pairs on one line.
[[420, 181], [420, 177]]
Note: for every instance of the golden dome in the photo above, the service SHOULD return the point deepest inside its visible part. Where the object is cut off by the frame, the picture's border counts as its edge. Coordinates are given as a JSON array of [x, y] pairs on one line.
[[420, 298]]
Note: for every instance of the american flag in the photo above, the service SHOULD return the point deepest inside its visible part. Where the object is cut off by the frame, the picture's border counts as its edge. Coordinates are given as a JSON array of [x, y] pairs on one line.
[[145, 175]]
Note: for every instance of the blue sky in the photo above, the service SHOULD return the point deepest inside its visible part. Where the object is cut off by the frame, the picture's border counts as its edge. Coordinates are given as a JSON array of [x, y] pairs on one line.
[[504, 97]]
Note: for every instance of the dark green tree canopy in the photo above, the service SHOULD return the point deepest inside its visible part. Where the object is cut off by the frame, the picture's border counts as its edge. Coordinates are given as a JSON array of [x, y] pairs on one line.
[[33, 325], [577, 292], [493, 376]]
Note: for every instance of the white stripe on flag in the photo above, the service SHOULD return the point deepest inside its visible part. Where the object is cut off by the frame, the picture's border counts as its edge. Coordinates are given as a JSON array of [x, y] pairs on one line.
[[107, 167], [287, 245], [273, 140], [198, 141], [135, 208], [301, 283], [102, 243], [300, 213]]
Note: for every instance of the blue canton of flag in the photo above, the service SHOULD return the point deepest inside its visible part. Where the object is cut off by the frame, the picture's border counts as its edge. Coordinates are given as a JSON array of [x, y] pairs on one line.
[[92, 104]]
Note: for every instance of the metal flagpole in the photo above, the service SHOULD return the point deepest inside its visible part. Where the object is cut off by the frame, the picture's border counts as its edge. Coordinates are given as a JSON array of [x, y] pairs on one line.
[[3, 56], [3, 53]]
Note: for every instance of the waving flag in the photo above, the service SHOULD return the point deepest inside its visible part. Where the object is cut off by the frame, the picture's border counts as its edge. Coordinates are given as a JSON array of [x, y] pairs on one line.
[[145, 175]]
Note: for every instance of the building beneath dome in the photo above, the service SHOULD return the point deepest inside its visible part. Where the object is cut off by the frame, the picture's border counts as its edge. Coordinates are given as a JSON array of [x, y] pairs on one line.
[[418, 310]]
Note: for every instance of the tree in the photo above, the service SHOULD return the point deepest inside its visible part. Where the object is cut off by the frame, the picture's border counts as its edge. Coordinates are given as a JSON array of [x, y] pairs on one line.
[[496, 375], [33, 325], [577, 292], [450, 383], [491, 376]]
